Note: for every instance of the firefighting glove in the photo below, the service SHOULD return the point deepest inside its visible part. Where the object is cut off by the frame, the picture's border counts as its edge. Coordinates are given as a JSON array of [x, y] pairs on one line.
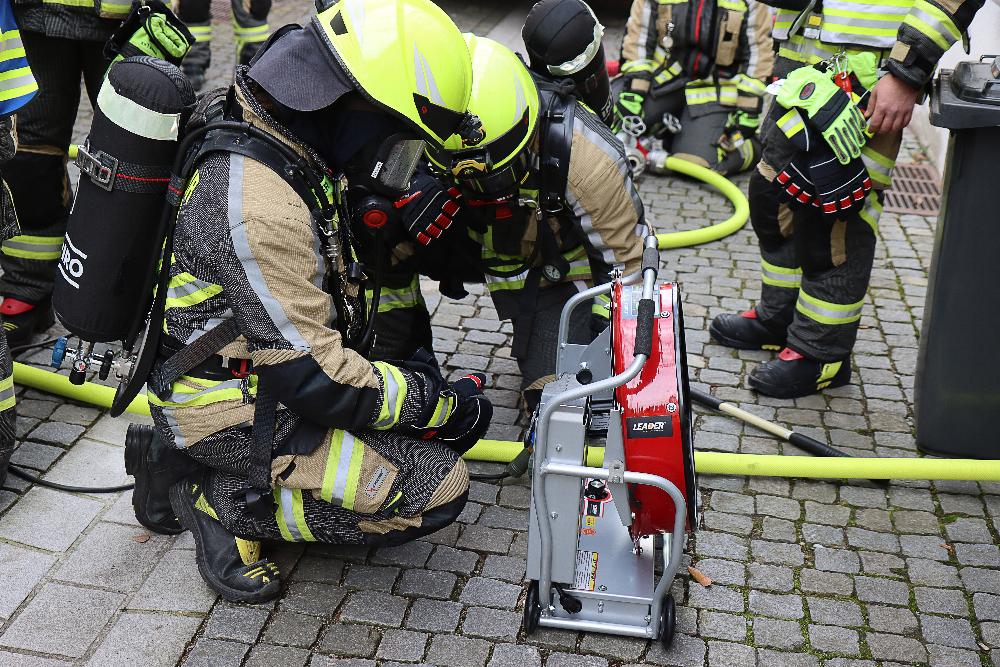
[[627, 114], [796, 186], [840, 189], [829, 109], [429, 208], [151, 29]]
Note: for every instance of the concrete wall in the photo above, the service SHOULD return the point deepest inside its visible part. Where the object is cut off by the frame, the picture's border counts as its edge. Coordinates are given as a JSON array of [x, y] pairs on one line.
[[984, 39]]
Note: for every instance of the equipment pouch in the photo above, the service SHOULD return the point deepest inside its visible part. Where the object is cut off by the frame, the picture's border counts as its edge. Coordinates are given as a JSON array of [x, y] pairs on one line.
[[730, 29]]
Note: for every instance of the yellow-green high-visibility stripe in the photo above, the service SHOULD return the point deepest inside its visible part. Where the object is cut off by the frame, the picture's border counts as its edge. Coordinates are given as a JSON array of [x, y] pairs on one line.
[[399, 297], [872, 211], [933, 23], [250, 34], [442, 411], [114, 9], [7, 398], [11, 46], [202, 33], [290, 516], [828, 371], [185, 290], [601, 306], [827, 312], [343, 470], [734, 5], [393, 395], [780, 276], [215, 391], [669, 73], [879, 166], [33, 247], [634, 66], [71, 3], [791, 123], [700, 95]]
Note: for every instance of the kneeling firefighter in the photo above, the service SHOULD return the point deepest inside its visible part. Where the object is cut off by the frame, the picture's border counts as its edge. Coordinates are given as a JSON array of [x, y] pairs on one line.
[[543, 208], [816, 196], [692, 77], [267, 424]]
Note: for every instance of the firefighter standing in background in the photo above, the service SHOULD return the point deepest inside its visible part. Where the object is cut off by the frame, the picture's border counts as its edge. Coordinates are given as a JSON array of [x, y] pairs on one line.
[[693, 74], [17, 88], [63, 42], [816, 260], [249, 30]]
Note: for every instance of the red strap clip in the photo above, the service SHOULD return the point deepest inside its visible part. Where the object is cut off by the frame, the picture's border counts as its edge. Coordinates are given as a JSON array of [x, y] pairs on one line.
[[243, 371]]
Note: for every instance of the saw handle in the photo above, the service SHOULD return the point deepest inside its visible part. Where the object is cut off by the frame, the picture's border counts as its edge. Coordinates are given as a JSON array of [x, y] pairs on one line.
[[644, 328], [650, 259]]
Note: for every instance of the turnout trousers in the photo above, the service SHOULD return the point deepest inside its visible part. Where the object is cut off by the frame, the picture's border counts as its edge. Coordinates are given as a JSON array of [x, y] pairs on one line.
[[37, 175], [814, 270], [250, 28]]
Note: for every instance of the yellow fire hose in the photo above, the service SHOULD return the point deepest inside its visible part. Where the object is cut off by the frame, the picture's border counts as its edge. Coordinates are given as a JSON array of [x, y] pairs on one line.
[[503, 451], [707, 463]]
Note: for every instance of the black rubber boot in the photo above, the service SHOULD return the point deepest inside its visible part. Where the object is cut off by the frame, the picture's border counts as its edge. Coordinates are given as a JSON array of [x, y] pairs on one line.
[[792, 375], [21, 320], [155, 467], [745, 332], [231, 566]]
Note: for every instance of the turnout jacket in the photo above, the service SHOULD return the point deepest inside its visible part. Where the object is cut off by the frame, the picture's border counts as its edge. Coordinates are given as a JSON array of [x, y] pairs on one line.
[[722, 47], [246, 248], [87, 20], [601, 224]]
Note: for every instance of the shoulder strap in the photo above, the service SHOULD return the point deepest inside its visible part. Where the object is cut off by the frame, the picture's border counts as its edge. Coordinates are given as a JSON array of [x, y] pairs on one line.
[[558, 111]]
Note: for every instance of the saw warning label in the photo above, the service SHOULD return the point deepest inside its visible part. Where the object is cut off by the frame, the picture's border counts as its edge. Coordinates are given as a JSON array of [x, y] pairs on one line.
[[649, 427], [585, 578]]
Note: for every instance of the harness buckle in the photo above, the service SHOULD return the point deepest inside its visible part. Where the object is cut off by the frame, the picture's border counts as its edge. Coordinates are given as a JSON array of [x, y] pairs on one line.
[[98, 165], [259, 505], [244, 370]]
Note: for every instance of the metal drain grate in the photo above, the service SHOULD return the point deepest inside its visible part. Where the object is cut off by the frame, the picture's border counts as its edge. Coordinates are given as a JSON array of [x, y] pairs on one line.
[[915, 189]]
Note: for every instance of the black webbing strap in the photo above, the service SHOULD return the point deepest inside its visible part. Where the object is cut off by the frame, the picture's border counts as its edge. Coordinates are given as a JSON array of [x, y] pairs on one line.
[[191, 356], [556, 146], [259, 501]]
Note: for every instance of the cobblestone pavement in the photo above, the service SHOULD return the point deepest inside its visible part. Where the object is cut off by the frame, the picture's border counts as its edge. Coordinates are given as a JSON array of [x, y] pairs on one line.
[[806, 573]]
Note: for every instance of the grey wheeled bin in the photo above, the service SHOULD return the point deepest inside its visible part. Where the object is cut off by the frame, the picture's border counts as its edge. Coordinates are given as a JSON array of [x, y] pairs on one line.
[[957, 387]]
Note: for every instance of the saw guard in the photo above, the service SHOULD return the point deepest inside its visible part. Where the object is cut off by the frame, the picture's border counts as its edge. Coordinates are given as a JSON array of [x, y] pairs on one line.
[[655, 408]]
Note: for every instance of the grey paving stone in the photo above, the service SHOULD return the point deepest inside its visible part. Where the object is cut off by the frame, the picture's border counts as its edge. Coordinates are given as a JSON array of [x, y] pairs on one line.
[[490, 593], [483, 539], [722, 546], [859, 538], [348, 640], [777, 553], [777, 633], [312, 597], [374, 607], [35, 455], [57, 433], [771, 577], [617, 649], [886, 565], [921, 546], [265, 655], [941, 601], [62, 620], [235, 622], [292, 629], [924, 523], [47, 519], [90, 463], [716, 597], [145, 639], [980, 580], [726, 654], [835, 612], [30, 567], [403, 645], [878, 590], [984, 555], [778, 530], [832, 515], [892, 619], [686, 651], [412, 554], [954, 632], [833, 639], [944, 656], [782, 508], [491, 623], [369, 577], [776, 606], [113, 556], [453, 560], [574, 660], [427, 583], [987, 606], [9, 659], [216, 653], [894, 647], [831, 583], [175, 585], [776, 659], [434, 615], [458, 651], [723, 571], [925, 572], [313, 568], [512, 654], [504, 567], [718, 625]]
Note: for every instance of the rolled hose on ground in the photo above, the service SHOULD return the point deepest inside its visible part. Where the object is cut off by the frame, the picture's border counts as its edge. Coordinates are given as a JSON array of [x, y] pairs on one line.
[[719, 230], [706, 463]]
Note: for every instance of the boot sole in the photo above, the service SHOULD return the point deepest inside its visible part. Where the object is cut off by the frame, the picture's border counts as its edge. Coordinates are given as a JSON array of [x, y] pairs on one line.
[[185, 513], [784, 391], [134, 454], [738, 344]]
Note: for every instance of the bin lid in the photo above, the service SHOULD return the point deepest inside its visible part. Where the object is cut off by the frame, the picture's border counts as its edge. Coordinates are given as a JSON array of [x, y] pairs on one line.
[[968, 96]]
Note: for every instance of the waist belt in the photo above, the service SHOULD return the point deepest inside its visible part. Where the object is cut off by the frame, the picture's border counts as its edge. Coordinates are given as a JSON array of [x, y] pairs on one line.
[[215, 367]]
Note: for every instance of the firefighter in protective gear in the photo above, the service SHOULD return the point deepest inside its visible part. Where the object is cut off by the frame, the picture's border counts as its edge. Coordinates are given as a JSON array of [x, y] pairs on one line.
[[357, 452], [63, 42], [17, 88], [250, 31], [816, 260], [498, 215], [693, 74]]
